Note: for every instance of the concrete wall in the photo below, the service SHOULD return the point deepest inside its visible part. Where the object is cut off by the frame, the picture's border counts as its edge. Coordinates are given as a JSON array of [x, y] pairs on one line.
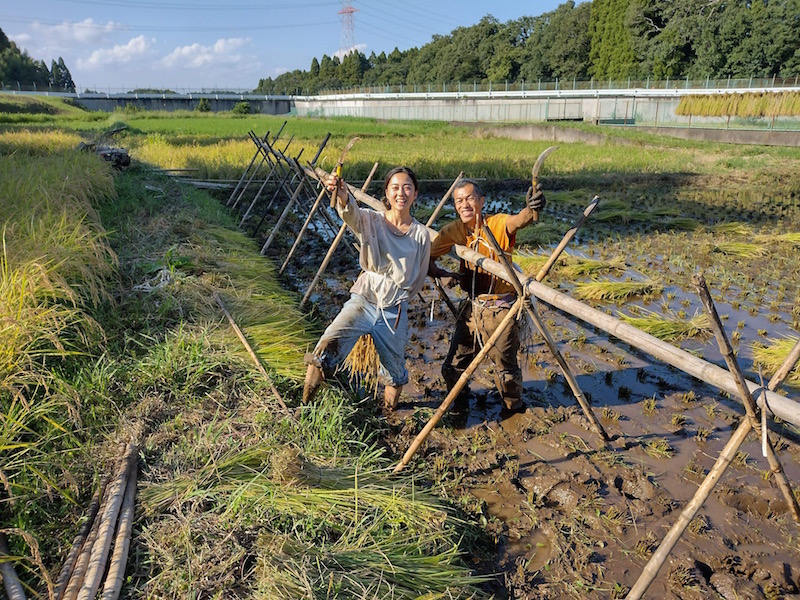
[[169, 102]]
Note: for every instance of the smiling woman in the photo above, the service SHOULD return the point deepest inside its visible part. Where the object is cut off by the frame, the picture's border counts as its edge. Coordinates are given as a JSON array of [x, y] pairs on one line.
[[395, 249]]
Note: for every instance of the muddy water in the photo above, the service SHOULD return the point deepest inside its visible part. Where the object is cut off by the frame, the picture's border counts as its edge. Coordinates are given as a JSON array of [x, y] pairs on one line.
[[568, 517]]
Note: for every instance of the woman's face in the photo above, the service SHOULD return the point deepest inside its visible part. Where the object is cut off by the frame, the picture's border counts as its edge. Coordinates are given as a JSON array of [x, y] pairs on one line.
[[401, 192]]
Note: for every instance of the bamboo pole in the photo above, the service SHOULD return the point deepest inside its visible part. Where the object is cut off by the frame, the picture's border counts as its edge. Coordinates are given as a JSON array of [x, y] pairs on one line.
[[11, 582], [444, 199], [780, 406], [80, 539], [305, 225], [750, 406], [725, 458], [122, 540], [252, 354], [551, 344], [244, 174], [286, 210], [265, 158], [567, 238], [274, 166], [97, 561], [459, 385], [278, 190], [335, 243]]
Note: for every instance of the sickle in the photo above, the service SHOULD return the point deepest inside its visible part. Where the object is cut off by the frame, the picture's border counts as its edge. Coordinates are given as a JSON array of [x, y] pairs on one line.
[[535, 174], [337, 170]]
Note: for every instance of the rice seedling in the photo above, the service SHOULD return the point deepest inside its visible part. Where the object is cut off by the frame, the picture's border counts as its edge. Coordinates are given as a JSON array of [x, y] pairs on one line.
[[670, 327], [659, 448], [702, 434], [771, 355], [616, 291]]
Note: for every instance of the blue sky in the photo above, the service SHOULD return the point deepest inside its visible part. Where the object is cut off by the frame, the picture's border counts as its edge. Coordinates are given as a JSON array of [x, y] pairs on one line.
[[193, 44]]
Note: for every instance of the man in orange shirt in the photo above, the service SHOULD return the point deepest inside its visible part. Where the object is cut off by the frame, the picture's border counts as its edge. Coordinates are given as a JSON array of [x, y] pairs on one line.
[[489, 297]]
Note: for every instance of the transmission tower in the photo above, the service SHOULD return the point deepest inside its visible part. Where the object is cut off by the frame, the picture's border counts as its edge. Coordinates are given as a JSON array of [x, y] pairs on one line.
[[347, 39]]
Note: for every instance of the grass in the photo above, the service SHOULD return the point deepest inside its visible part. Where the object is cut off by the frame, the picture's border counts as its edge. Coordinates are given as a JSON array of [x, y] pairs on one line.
[[670, 327]]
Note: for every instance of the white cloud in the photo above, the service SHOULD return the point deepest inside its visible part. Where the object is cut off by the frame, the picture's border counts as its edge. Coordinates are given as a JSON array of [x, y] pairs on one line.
[[342, 53], [195, 56], [137, 48], [71, 33]]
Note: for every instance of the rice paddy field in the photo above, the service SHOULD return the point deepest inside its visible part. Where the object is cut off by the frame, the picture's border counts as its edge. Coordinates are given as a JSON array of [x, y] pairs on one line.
[[111, 289]]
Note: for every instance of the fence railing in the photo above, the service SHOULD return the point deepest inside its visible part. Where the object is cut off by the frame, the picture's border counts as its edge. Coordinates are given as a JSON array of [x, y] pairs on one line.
[[572, 84], [446, 87]]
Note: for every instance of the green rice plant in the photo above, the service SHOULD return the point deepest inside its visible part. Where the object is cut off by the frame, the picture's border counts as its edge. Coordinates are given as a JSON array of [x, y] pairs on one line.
[[791, 237], [659, 448], [530, 263], [544, 234], [771, 355], [616, 291], [740, 249], [670, 327], [583, 267], [732, 228]]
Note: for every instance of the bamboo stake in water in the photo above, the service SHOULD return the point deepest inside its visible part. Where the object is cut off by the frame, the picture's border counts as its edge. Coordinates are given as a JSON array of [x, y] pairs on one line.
[[335, 243], [462, 381], [725, 458], [274, 169], [306, 223], [551, 344], [744, 393], [265, 158]]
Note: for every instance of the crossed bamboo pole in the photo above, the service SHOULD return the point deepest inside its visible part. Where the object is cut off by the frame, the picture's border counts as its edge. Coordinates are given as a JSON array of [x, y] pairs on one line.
[[537, 321], [274, 169], [334, 244], [727, 455]]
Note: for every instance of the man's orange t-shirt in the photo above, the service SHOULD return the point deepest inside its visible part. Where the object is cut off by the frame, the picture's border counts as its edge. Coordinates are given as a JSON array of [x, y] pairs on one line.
[[458, 233]]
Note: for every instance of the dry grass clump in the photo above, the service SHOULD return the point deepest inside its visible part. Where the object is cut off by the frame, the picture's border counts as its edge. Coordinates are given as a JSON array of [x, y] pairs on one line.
[[772, 355], [616, 291], [364, 363], [671, 327]]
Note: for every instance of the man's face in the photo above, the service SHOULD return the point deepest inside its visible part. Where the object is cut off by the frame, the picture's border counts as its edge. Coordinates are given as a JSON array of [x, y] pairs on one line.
[[468, 205]]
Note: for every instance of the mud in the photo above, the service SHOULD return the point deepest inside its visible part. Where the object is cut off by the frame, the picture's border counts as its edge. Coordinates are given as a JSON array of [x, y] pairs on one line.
[[569, 517]]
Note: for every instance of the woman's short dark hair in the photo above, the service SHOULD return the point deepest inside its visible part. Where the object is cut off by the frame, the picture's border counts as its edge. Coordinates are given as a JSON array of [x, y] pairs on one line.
[[392, 173]]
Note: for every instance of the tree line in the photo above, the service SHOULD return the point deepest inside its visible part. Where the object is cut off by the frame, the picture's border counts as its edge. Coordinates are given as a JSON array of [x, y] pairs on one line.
[[18, 68], [601, 39]]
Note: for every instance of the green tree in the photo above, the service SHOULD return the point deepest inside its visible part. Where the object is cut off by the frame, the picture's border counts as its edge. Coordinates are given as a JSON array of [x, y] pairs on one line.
[[611, 53], [60, 77]]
